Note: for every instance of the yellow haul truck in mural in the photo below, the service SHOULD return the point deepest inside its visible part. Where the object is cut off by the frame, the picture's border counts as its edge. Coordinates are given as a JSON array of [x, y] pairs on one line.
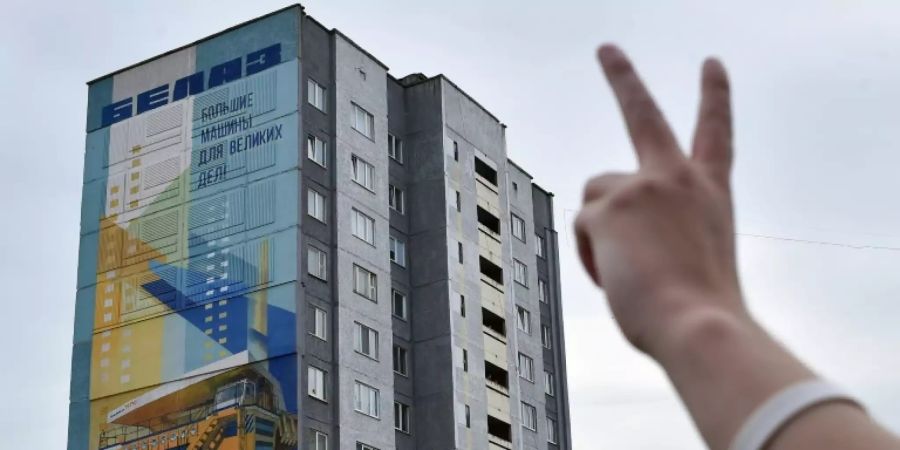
[[236, 410]]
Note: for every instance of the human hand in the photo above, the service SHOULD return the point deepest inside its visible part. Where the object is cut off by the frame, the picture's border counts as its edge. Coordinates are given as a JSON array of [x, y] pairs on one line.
[[660, 241]]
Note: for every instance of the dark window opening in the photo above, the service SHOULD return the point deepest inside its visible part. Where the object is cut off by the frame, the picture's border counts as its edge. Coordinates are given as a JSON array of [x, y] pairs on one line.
[[489, 220], [493, 321], [491, 270], [499, 428], [496, 375], [487, 172]]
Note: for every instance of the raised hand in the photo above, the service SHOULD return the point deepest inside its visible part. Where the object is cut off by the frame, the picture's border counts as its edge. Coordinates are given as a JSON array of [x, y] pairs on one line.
[[660, 241]]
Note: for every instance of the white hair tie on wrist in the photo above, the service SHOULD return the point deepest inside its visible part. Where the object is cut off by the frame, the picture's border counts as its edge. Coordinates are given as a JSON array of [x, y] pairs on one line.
[[774, 414]]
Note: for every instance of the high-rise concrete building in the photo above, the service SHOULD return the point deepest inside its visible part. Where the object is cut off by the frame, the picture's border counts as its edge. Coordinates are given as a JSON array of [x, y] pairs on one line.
[[283, 246]]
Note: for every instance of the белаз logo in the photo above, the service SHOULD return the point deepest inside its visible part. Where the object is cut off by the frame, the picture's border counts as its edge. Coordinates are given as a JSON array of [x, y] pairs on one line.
[[228, 71]]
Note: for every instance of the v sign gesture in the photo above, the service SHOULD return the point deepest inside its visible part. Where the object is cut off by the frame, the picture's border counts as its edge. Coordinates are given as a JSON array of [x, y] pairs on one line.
[[660, 242]]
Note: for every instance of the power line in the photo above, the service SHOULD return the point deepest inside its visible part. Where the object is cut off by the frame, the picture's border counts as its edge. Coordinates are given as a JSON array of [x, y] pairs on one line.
[[788, 239], [815, 242]]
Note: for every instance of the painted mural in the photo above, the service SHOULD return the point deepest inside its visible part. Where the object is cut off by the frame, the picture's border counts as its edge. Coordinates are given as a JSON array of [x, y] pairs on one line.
[[185, 333]]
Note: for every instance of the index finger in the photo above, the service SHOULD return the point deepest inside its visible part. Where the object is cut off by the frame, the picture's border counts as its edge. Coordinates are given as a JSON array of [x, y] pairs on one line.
[[653, 141]]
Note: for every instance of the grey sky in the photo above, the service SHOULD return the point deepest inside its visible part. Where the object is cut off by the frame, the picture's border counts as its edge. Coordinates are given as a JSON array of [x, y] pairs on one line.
[[815, 103]]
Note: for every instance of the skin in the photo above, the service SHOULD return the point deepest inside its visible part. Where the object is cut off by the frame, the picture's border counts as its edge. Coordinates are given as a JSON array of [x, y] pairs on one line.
[[660, 242]]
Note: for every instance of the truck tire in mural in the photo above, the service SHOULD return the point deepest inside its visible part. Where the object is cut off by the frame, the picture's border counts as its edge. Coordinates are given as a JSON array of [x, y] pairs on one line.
[[185, 334]]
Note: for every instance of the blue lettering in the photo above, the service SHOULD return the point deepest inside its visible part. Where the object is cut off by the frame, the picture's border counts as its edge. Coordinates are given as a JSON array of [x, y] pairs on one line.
[[263, 59], [154, 98], [212, 176], [210, 154], [116, 112], [224, 73], [253, 63], [189, 85]]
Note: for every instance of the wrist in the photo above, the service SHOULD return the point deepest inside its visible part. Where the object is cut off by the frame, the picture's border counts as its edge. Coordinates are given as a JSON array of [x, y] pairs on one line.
[[721, 360], [690, 321]]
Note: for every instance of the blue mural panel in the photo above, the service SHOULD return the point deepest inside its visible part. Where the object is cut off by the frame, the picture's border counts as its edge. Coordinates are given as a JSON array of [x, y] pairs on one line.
[[187, 279]]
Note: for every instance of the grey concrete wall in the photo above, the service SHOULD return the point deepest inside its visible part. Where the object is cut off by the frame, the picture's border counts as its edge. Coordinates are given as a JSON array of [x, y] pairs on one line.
[[432, 352], [557, 407], [525, 295], [398, 174], [317, 63], [428, 116], [475, 131], [362, 80]]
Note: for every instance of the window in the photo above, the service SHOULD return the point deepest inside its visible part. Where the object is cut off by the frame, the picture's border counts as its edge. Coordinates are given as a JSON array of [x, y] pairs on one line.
[[366, 400], [396, 198], [458, 202], [315, 150], [525, 367], [316, 383], [520, 272], [401, 417], [365, 340], [548, 384], [365, 283], [363, 226], [542, 291], [523, 319], [361, 446], [395, 148], [455, 151], [398, 304], [529, 416], [465, 360], [539, 246], [546, 337], [363, 173], [459, 251], [315, 205], [462, 305], [515, 188], [320, 323], [363, 121], [400, 360], [486, 171], [320, 440], [398, 251], [468, 417], [317, 263], [315, 94], [518, 227], [552, 436]]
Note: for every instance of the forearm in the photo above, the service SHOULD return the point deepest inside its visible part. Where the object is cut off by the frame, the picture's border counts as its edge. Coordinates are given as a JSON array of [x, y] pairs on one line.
[[724, 366]]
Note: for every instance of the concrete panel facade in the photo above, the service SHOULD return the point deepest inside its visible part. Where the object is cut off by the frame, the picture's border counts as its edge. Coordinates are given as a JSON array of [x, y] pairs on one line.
[[459, 385]]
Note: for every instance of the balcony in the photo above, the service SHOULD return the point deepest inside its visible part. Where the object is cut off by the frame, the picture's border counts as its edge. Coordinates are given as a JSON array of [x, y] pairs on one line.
[[496, 377], [501, 389], [497, 443], [499, 433], [491, 273]]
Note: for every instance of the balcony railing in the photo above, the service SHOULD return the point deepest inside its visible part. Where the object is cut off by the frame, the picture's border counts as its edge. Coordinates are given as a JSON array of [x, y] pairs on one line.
[[499, 441], [497, 387], [494, 334]]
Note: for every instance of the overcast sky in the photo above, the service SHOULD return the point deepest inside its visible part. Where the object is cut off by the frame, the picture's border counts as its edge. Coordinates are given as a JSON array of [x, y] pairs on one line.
[[816, 95]]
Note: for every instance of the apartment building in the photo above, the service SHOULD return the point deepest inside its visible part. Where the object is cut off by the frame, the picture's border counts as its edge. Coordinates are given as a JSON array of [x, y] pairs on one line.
[[283, 245]]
